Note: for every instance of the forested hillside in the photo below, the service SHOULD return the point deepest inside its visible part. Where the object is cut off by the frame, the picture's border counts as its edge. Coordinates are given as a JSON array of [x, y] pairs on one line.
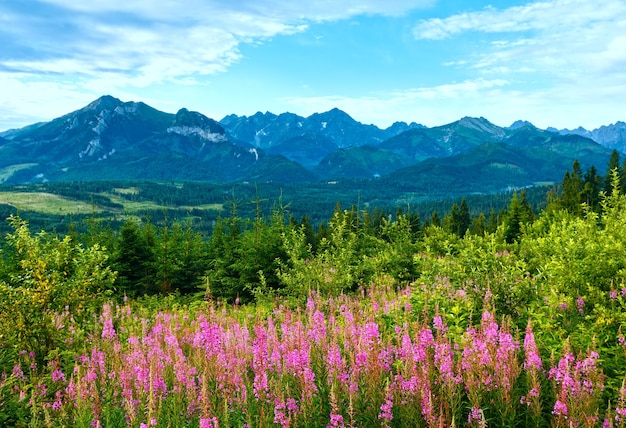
[[509, 317]]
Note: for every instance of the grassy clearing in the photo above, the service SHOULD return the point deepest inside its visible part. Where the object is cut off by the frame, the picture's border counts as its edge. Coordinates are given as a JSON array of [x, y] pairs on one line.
[[46, 203], [127, 190]]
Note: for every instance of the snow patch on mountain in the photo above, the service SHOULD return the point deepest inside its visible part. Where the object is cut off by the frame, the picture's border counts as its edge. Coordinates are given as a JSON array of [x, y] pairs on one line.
[[101, 122], [106, 155], [127, 108], [255, 153], [91, 148], [71, 123]]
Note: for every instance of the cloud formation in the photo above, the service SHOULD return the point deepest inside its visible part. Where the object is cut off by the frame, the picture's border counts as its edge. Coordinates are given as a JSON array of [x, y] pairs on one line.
[[568, 38], [570, 50], [148, 41], [548, 16], [557, 60], [111, 46]]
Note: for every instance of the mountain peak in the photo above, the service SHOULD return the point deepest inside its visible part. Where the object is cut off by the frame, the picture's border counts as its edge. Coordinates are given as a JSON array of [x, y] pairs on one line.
[[185, 117], [521, 124], [335, 113], [105, 102], [192, 123], [481, 124], [474, 121]]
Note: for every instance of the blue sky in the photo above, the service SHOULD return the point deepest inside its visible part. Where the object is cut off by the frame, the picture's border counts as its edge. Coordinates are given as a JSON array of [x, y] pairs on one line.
[[558, 63]]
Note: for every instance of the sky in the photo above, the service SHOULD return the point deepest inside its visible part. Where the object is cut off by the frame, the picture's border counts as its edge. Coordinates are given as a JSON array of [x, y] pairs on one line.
[[559, 63]]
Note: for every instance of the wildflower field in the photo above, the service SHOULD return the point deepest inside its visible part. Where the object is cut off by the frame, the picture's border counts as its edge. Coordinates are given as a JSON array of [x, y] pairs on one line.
[[368, 360], [388, 326]]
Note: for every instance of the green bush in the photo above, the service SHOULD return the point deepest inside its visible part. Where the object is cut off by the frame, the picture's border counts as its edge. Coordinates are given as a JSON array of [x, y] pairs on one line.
[[42, 278]]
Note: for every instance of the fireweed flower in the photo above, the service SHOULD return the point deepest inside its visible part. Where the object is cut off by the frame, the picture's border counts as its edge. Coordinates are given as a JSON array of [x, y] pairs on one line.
[[57, 376], [336, 365], [560, 409], [580, 304], [579, 383], [476, 414], [439, 325], [386, 408], [18, 373], [532, 359], [259, 362], [317, 331], [280, 418], [335, 421], [108, 331]]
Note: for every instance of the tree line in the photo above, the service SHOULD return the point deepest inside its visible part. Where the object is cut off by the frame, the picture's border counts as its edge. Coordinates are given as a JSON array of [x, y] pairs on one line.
[[245, 257]]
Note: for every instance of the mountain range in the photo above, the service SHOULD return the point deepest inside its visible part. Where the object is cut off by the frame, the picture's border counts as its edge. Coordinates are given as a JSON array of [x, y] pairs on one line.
[[114, 140]]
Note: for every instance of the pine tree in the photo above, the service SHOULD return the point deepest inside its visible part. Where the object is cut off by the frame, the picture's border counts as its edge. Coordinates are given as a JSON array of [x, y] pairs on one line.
[[134, 261], [592, 183], [434, 219], [518, 214], [570, 199], [614, 165], [492, 222], [479, 225], [459, 219]]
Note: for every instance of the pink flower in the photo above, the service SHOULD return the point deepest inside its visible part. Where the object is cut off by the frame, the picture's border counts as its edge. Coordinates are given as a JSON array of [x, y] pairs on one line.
[[580, 304], [476, 414], [386, 409], [335, 421], [18, 373], [560, 409], [438, 324], [532, 360], [108, 331], [208, 422], [57, 376]]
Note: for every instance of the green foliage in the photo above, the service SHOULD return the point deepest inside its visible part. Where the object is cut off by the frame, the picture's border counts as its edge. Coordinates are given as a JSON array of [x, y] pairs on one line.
[[244, 257], [42, 277], [339, 264], [180, 259]]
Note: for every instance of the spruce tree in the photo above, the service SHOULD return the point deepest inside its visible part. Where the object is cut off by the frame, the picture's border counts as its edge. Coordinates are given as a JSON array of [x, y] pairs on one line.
[[518, 214], [614, 165], [572, 188], [134, 261]]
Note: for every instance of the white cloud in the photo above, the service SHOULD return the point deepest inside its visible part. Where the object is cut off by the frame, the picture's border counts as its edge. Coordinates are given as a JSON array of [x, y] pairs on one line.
[[560, 38], [118, 45], [568, 56], [25, 102], [281, 10], [543, 16]]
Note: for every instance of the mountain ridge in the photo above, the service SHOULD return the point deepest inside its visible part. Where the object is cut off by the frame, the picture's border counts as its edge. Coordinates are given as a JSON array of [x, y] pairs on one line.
[[113, 139]]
